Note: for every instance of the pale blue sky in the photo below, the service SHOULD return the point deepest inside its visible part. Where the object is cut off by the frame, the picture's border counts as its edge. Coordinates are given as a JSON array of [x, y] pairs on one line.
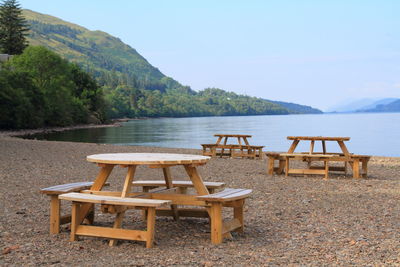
[[318, 53]]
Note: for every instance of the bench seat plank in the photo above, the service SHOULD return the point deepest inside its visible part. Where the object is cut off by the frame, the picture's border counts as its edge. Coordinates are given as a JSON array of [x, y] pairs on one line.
[[66, 188], [229, 194], [98, 199]]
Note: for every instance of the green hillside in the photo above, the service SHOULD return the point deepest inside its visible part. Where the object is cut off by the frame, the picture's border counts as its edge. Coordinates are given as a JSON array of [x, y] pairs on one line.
[[131, 86], [96, 51]]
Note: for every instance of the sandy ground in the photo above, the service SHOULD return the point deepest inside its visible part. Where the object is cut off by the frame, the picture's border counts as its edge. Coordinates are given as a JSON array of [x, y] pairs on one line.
[[293, 221]]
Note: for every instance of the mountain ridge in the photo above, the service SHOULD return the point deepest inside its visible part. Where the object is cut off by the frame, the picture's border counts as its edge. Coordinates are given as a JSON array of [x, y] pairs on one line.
[[115, 64]]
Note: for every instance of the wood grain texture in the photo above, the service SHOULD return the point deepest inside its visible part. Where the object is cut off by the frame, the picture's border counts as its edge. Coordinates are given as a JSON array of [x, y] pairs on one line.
[[146, 158]]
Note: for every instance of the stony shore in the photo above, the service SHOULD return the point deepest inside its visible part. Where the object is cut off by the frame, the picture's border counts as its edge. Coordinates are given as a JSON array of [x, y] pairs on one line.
[[296, 221]]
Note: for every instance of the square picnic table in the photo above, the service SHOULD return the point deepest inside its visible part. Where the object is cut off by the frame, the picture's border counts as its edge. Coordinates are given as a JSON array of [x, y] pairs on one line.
[[324, 156], [241, 149]]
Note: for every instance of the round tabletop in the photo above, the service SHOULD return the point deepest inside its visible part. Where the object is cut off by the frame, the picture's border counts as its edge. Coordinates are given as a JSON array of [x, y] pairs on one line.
[[147, 158]]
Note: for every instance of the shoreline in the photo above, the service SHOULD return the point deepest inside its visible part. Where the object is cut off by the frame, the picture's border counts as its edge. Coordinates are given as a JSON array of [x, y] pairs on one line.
[[22, 132]]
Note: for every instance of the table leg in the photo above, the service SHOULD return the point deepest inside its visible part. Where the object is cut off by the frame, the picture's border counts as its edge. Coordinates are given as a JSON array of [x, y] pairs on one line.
[[168, 183], [312, 147], [97, 186], [356, 168], [364, 167], [293, 146], [196, 179], [125, 191], [287, 166], [271, 161], [222, 150], [216, 223], [326, 168], [117, 224], [344, 148]]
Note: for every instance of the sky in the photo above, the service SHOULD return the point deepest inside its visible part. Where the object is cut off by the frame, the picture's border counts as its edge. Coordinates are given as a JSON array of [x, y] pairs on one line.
[[320, 53]]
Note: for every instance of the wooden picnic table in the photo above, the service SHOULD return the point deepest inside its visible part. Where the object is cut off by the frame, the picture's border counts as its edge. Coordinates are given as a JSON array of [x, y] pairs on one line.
[[163, 161], [241, 148], [324, 156]]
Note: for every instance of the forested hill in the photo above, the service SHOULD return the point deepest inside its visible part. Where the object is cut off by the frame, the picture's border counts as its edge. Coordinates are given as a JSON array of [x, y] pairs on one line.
[[132, 87], [96, 51]]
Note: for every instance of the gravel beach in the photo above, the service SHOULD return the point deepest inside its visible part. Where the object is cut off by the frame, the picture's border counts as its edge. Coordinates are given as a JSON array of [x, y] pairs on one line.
[[296, 221]]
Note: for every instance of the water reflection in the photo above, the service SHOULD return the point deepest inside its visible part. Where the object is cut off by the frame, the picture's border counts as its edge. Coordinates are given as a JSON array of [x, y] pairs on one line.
[[374, 134]]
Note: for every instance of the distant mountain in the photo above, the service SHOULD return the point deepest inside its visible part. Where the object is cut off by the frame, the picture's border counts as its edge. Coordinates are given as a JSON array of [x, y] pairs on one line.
[[296, 108], [361, 105], [393, 106]]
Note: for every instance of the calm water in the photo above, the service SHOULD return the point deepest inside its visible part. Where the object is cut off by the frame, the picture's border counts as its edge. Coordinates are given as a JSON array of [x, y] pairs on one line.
[[371, 133]]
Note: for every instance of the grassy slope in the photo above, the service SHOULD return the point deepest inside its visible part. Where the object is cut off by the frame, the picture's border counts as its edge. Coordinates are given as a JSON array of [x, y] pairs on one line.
[[96, 49]]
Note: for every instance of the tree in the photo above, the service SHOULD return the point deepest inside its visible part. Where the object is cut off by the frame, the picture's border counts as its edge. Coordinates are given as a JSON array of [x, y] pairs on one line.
[[13, 28]]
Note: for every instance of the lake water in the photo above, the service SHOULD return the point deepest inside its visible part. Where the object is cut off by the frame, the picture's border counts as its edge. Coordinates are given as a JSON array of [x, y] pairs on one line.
[[371, 133]]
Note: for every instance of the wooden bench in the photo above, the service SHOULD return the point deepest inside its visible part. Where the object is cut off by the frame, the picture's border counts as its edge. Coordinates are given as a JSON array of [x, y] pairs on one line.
[[272, 157], [150, 205], [147, 185], [247, 151], [354, 161], [209, 150], [229, 197], [55, 205], [242, 151]]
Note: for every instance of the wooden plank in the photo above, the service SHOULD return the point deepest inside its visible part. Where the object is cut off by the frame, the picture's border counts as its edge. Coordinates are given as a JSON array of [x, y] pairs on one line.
[[318, 138], [107, 232], [115, 193], [232, 135], [179, 199], [98, 199], [229, 195], [231, 225], [176, 183], [306, 171], [184, 212], [146, 158], [66, 188]]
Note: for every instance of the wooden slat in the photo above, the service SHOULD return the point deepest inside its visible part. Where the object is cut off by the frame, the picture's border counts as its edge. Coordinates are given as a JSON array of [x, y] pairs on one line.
[[184, 212], [229, 194], [232, 135], [176, 183], [97, 199], [116, 233], [231, 225], [318, 138], [179, 199], [306, 171], [66, 188], [308, 155]]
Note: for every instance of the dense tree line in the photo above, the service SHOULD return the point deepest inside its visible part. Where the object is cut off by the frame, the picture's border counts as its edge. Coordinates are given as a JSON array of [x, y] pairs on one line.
[[126, 101], [39, 88]]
